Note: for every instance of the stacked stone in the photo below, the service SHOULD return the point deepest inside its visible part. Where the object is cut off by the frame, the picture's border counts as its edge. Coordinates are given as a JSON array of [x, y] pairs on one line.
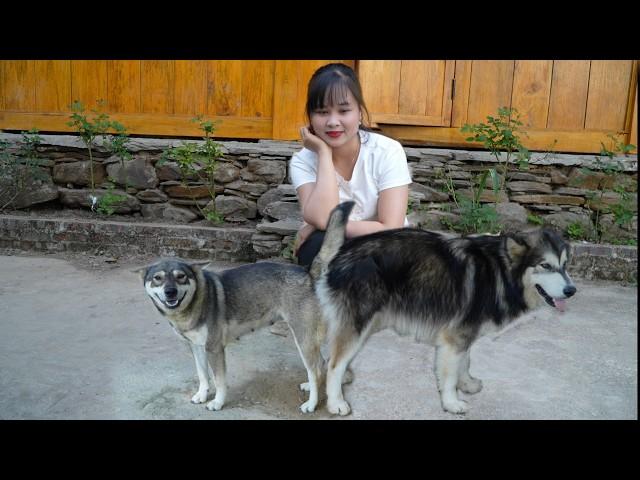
[[554, 187], [252, 189]]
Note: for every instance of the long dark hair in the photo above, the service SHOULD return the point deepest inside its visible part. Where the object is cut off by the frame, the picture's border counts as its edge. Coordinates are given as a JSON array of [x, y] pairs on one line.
[[328, 86]]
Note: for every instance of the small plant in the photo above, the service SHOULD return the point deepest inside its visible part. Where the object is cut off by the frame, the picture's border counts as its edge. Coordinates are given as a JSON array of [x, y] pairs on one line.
[[117, 144], [200, 161], [475, 217], [613, 181], [624, 241], [622, 210], [500, 134], [91, 128], [108, 203], [213, 216], [575, 231], [185, 156], [535, 219], [287, 252], [617, 147], [18, 171]]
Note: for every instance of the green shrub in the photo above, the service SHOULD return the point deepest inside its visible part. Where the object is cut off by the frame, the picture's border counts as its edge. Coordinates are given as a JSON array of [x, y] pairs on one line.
[[535, 219], [199, 161], [575, 231], [109, 201], [99, 125], [19, 170], [501, 134]]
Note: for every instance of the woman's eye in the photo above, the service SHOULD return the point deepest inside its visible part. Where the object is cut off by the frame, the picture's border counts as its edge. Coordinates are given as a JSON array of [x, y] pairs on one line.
[[345, 111]]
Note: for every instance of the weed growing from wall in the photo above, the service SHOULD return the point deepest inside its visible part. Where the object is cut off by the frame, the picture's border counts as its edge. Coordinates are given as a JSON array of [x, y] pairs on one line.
[[99, 125], [199, 161], [501, 134], [613, 181], [18, 171]]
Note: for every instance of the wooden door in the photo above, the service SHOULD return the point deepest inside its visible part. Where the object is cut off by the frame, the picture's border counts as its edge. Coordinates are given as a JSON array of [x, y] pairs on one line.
[[408, 92]]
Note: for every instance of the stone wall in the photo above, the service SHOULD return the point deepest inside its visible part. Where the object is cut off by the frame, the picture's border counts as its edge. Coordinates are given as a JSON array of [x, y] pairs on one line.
[[111, 240], [124, 238], [253, 193]]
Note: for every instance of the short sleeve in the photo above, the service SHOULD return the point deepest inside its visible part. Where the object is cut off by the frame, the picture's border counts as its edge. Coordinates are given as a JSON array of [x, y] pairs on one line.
[[301, 170], [393, 169]]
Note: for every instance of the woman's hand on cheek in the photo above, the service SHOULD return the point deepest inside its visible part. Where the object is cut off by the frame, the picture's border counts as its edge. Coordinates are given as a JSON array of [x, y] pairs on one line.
[[313, 142]]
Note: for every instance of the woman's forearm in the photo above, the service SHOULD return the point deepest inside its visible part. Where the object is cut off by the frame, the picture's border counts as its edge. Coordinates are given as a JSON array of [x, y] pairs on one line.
[[324, 196], [364, 227]]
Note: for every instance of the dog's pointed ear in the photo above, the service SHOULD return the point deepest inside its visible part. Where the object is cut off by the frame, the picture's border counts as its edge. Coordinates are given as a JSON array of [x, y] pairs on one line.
[[514, 248], [200, 265], [530, 237], [141, 271]]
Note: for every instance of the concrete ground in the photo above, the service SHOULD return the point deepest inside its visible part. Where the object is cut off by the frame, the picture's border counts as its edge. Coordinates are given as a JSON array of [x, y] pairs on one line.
[[81, 340]]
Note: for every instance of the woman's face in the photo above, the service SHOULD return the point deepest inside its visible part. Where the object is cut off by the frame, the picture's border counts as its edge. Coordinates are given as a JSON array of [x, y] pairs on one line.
[[337, 124]]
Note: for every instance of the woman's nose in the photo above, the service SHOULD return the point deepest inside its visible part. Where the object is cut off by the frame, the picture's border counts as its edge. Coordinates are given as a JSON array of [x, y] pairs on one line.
[[333, 120]]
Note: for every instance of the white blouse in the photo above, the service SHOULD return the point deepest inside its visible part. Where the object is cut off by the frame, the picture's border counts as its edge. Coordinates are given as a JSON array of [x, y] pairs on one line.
[[381, 164]]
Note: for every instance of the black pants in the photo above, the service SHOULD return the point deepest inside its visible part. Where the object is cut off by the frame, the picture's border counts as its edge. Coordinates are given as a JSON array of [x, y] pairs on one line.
[[310, 248]]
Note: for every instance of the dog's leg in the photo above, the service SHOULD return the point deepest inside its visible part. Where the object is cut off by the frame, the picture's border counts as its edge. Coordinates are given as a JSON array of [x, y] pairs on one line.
[[347, 378], [304, 386], [466, 382], [309, 351], [447, 364], [343, 349], [200, 357], [217, 361]]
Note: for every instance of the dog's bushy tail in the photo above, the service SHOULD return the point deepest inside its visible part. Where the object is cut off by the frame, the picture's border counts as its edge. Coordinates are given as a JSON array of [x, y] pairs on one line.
[[333, 238]]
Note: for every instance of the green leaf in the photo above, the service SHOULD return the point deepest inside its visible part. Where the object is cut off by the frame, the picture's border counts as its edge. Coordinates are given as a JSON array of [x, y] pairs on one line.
[[495, 180], [481, 185]]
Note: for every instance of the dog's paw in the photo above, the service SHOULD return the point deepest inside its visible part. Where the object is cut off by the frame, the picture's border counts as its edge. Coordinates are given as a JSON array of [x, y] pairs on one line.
[[470, 385], [215, 405], [455, 406], [200, 396], [338, 407], [305, 387], [308, 406]]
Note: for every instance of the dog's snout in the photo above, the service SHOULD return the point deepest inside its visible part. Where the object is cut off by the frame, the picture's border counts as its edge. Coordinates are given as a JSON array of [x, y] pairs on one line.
[[569, 290], [171, 292]]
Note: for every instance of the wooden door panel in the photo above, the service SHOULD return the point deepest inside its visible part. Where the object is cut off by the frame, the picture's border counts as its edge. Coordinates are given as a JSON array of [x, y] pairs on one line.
[[608, 95], [569, 91], [408, 92], [531, 91], [490, 89]]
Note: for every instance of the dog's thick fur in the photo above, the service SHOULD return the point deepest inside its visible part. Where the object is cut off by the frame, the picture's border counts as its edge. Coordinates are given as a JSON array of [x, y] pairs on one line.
[[210, 309], [446, 291]]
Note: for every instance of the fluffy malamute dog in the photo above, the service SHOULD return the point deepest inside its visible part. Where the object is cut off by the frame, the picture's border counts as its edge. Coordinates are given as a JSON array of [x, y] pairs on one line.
[[444, 291]]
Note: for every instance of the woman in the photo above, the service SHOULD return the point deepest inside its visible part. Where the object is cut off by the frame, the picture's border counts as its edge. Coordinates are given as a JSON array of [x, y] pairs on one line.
[[342, 160]]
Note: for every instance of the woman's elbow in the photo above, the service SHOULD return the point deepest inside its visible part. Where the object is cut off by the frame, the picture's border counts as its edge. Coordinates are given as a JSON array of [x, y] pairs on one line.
[[314, 221], [391, 224]]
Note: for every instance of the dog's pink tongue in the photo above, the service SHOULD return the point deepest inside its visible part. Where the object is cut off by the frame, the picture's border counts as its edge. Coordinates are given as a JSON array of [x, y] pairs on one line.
[[560, 304]]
